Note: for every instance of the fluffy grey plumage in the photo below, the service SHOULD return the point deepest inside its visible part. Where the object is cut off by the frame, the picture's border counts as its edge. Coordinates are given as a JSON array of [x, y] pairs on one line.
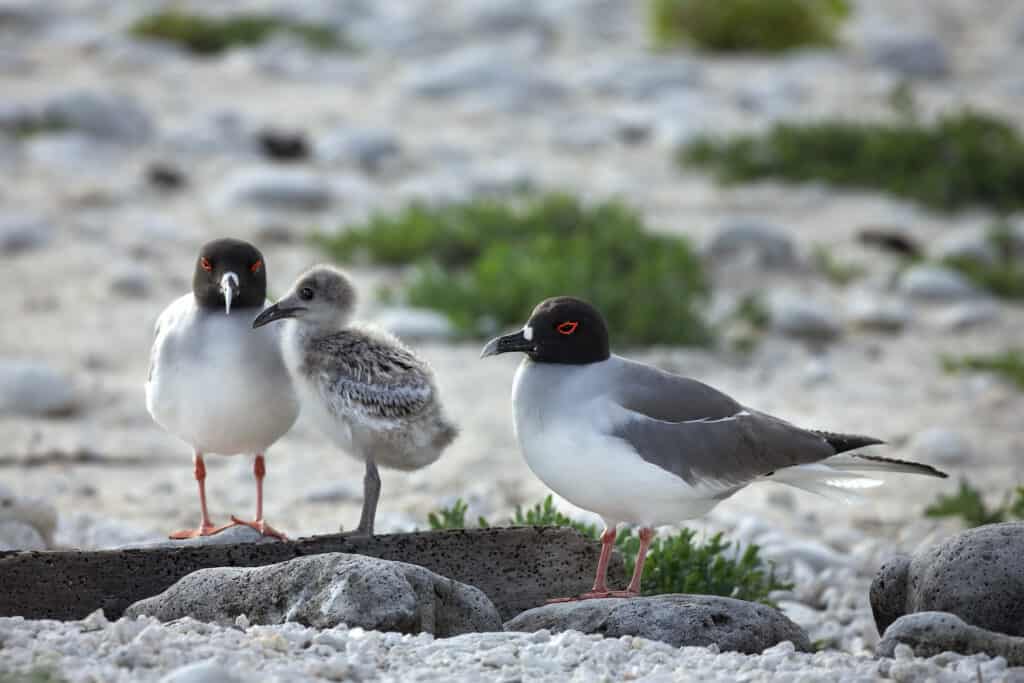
[[369, 393]]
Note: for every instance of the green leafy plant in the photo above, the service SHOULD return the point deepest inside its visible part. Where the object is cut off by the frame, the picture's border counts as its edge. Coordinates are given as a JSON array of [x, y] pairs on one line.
[[210, 35], [38, 675], [1005, 276], [486, 263], [1009, 364], [746, 25], [968, 504], [676, 564], [960, 160], [836, 271]]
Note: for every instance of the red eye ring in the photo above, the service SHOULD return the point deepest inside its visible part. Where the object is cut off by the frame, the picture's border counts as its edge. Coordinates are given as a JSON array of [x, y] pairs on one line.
[[568, 327], [256, 266], [205, 264]]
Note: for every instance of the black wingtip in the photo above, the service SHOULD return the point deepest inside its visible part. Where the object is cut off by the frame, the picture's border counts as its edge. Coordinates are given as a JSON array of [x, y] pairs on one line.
[[847, 442], [915, 467]]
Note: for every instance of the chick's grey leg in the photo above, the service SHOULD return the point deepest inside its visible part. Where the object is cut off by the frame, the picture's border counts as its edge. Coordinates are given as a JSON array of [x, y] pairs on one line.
[[371, 494]]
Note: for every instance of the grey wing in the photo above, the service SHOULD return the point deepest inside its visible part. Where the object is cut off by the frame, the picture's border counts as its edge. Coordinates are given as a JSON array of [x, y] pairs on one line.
[[376, 380], [725, 452], [663, 396]]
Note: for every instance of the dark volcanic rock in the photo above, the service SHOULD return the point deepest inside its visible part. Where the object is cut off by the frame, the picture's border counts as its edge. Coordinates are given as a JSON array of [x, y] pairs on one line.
[[977, 575], [932, 633], [679, 620], [326, 590], [516, 567]]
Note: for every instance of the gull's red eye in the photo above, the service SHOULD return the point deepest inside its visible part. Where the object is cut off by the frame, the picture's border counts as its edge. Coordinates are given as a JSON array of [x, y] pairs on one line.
[[568, 327], [205, 264], [256, 266]]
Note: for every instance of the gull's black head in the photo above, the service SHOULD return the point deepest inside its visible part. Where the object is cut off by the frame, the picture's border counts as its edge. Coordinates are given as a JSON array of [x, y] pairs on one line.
[[562, 329], [229, 274]]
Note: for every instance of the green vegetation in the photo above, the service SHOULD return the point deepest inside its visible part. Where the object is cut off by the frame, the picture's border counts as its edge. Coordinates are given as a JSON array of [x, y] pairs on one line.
[[39, 675], [746, 25], [836, 271], [677, 564], [960, 160], [968, 504], [747, 323], [486, 263], [1005, 277], [210, 35], [38, 126], [1009, 364]]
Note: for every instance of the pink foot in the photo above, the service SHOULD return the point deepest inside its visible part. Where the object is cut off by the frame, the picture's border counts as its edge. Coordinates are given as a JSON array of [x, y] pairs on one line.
[[203, 530], [260, 526]]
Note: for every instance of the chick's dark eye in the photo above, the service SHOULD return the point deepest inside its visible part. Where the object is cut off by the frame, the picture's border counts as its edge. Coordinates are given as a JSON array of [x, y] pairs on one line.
[[306, 294]]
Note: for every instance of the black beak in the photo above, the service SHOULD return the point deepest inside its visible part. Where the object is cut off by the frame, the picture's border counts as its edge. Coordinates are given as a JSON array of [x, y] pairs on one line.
[[275, 312], [510, 342]]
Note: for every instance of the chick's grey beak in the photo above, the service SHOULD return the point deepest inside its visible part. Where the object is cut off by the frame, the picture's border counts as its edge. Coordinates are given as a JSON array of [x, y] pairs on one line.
[[275, 312], [510, 342]]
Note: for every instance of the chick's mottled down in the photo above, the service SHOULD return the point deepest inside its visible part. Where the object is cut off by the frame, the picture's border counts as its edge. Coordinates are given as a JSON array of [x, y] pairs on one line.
[[370, 394]]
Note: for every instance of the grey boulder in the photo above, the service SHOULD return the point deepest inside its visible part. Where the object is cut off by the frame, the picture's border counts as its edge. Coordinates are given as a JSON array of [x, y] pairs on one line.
[[326, 590], [769, 245], [679, 620], [35, 390], [976, 575], [932, 633]]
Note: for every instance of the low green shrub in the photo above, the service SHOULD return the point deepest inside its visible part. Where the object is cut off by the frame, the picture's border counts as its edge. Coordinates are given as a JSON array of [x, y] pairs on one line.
[[676, 564], [1009, 365], [1003, 278], [486, 263], [968, 504], [210, 35], [836, 271], [961, 160], [746, 25]]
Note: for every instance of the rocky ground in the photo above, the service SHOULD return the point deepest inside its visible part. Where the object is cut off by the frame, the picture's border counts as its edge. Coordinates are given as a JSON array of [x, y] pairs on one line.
[[447, 100]]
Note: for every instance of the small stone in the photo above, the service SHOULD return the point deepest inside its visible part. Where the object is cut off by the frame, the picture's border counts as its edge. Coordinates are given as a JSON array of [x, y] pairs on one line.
[[679, 620], [877, 312], [35, 390], [416, 324], [276, 188], [208, 671], [941, 446], [280, 145], [804, 318], [338, 492], [909, 53], [969, 314], [936, 283], [165, 176], [971, 245], [23, 232], [371, 149], [131, 280], [645, 78], [932, 633], [20, 536], [113, 117], [326, 590], [767, 243]]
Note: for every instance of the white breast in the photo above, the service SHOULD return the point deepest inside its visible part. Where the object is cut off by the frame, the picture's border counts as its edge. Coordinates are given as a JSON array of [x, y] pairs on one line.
[[563, 434], [218, 384]]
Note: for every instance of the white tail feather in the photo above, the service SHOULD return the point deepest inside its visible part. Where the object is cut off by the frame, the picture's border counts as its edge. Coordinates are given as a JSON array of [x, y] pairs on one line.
[[835, 484]]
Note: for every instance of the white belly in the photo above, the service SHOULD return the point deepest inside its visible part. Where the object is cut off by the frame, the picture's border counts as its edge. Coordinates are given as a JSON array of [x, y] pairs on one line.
[[603, 475], [219, 396]]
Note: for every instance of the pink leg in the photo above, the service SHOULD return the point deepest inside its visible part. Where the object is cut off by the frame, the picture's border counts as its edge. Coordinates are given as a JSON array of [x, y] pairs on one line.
[[600, 589], [259, 469], [633, 590], [206, 527]]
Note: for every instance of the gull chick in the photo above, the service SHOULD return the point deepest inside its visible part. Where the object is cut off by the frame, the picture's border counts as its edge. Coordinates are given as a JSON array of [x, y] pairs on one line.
[[639, 445], [368, 393], [214, 382]]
